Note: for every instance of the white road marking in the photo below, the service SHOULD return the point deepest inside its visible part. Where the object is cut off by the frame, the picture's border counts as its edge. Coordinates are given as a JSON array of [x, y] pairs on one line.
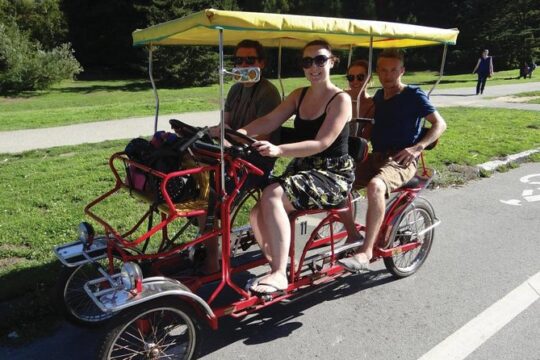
[[473, 334], [527, 192], [532, 198], [526, 179], [514, 202]]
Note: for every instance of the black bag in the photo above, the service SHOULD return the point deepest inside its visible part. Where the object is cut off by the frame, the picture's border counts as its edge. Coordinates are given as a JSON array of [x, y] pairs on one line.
[[160, 154]]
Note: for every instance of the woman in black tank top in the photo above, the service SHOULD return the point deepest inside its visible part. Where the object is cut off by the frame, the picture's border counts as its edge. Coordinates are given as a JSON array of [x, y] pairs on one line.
[[321, 173]]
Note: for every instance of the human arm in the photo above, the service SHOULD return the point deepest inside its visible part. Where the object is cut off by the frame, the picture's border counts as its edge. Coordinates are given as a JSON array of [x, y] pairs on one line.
[[476, 66], [438, 126], [491, 66], [214, 131], [266, 124], [337, 115]]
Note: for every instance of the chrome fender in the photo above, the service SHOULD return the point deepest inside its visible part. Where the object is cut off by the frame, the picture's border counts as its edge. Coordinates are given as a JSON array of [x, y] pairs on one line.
[[116, 298]]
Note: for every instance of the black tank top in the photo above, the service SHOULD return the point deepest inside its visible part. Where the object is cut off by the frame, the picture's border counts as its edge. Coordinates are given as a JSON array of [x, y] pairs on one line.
[[308, 129]]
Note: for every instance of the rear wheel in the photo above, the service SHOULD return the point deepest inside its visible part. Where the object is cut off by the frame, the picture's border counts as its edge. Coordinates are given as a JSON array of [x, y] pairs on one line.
[[164, 328], [72, 300], [411, 227]]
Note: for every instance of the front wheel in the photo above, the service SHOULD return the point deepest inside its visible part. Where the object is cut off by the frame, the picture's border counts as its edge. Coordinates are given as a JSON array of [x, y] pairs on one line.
[[164, 328], [411, 226], [73, 302]]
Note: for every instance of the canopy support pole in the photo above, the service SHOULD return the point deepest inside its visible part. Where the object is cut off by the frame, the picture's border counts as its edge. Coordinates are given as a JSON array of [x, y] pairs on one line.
[[279, 72], [350, 56], [364, 86], [441, 71], [221, 108], [150, 74]]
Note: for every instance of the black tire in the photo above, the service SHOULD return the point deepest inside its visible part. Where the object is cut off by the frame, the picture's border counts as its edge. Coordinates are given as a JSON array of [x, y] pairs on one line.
[[72, 300], [149, 331], [417, 217]]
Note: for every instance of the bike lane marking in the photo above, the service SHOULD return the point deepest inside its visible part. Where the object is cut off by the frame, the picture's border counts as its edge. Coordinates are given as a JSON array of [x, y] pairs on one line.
[[527, 194], [472, 335]]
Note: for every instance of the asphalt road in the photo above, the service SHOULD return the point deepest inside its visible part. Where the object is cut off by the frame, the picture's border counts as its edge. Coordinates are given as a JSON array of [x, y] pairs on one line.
[[487, 246]]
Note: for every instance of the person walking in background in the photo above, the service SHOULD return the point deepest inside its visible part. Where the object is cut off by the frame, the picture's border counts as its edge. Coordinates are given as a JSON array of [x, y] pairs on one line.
[[523, 70], [484, 69], [532, 68]]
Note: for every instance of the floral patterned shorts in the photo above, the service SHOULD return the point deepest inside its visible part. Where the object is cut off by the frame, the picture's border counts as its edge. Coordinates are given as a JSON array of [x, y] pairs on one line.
[[318, 183]]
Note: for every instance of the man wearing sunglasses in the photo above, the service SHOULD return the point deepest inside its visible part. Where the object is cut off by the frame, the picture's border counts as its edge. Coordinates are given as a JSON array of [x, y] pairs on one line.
[[246, 102], [399, 109]]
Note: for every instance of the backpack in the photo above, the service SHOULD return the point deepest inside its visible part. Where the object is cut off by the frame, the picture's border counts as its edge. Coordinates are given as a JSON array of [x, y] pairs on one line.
[[161, 154]]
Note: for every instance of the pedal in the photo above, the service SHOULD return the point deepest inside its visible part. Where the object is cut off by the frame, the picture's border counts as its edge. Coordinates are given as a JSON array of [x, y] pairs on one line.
[[243, 239]]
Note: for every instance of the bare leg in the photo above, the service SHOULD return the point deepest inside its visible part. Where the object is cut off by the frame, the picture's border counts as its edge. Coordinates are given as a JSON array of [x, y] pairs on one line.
[[257, 221], [348, 222], [374, 218], [276, 232]]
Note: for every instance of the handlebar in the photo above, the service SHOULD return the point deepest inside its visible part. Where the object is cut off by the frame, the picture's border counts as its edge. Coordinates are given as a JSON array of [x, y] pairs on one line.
[[198, 135]]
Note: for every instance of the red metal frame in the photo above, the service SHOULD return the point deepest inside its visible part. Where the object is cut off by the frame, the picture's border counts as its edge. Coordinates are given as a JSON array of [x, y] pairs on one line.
[[239, 169]]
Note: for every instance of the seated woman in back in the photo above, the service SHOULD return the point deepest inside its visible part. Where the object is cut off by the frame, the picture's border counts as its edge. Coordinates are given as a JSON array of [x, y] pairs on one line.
[[357, 76], [321, 173]]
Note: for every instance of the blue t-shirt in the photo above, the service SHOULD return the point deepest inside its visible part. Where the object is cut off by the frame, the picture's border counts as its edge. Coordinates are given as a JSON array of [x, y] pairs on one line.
[[398, 120]]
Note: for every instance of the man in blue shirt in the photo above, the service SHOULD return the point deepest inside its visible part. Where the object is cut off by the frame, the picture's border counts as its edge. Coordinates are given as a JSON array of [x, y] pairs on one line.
[[399, 109]]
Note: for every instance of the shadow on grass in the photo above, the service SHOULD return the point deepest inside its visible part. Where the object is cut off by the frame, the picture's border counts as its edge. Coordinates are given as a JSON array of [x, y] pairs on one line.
[[27, 302], [132, 86], [88, 89]]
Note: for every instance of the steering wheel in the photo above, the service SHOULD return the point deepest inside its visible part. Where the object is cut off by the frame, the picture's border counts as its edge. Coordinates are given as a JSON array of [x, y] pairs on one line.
[[184, 130], [179, 126], [233, 137]]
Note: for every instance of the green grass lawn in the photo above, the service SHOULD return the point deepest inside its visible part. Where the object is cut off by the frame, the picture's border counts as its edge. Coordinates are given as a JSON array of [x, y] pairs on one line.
[[73, 102], [44, 192]]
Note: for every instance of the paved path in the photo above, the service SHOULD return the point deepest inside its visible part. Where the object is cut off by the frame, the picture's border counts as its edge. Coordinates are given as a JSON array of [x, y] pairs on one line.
[[23, 140]]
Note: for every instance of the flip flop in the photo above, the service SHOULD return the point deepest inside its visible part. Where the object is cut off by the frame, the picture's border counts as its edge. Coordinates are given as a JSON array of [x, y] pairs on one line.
[[252, 282], [353, 265], [276, 290]]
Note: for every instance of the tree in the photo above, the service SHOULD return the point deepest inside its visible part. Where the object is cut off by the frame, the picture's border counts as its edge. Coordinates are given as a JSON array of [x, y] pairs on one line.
[[182, 65], [31, 53], [26, 66], [100, 31]]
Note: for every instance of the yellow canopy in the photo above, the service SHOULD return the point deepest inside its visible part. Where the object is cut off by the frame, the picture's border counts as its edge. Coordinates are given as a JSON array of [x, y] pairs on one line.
[[289, 31]]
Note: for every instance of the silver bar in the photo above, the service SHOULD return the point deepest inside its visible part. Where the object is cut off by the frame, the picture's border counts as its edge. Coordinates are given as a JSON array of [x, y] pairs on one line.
[[221, 108], [279, 72], [441, 71], [434, 225], [150, 74], [370, 60]]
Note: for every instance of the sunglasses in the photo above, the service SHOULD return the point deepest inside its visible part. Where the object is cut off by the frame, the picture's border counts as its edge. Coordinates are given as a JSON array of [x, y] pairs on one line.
[[249, 60], [319, 60], [359, 77]]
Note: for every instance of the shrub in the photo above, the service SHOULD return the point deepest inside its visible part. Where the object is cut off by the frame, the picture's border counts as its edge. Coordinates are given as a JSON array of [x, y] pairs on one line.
[[24, 65]]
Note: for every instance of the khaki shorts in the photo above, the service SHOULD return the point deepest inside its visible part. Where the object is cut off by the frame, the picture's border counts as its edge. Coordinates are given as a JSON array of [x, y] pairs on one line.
[[382, 166]]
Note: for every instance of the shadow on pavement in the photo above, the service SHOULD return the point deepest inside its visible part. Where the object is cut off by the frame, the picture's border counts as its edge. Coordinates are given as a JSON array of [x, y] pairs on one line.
[[278, 321]]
